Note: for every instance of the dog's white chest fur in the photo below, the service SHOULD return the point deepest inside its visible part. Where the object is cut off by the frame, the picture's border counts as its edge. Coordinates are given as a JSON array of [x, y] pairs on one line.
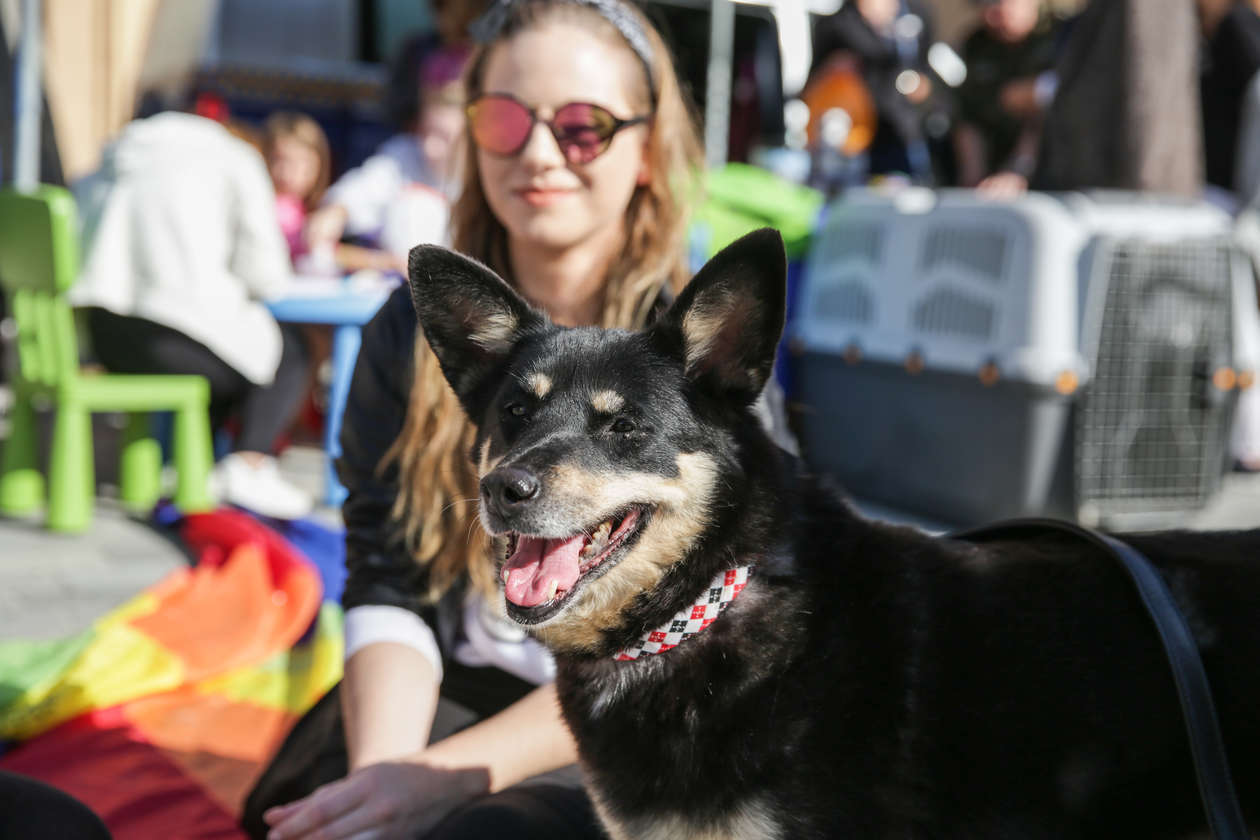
[[750, 821]]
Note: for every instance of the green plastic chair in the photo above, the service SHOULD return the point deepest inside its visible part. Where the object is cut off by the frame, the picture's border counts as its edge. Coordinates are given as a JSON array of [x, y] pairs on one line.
[[740, 198], [38, 263]]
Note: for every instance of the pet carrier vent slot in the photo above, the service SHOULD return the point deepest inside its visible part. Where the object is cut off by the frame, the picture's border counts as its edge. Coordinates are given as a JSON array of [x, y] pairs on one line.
[[853, 242], [982, 252], [849, 302], [950, 312], [1149, 436]]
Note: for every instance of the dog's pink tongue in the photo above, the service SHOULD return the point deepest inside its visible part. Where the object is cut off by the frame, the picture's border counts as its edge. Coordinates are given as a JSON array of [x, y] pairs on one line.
[[538, 563]]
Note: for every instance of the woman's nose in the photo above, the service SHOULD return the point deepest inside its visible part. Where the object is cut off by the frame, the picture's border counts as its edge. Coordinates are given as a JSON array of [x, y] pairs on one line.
[[541, 150]]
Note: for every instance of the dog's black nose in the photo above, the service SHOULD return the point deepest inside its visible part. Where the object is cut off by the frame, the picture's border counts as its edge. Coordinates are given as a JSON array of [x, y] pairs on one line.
[[509, 486]]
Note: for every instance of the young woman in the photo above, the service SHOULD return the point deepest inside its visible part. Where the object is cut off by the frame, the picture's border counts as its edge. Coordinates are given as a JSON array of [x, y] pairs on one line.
[[580, 145]]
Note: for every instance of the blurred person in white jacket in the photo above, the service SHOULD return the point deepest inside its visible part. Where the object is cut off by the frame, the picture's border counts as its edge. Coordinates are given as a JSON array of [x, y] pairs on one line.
[[180, 247]]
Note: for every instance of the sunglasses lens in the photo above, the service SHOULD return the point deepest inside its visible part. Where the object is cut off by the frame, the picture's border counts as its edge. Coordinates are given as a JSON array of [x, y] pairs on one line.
[[583, 131], [500, 125]]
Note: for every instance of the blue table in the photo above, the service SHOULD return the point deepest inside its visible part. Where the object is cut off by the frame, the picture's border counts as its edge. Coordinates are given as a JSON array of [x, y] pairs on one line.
[[345, 308]]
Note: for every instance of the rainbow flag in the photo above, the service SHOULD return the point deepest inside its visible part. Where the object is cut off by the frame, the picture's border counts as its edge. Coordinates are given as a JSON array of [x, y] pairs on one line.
[[162, 714]]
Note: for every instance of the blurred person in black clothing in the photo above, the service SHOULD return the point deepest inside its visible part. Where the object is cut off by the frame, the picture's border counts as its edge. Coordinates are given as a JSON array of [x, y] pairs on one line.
[[1002, 100], [1127, 92], [888, 41], [1230, 60], [31, 808]]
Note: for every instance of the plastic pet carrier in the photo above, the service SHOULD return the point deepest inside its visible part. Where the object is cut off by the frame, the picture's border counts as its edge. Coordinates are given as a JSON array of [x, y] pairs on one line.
[[968, 360], [1170, 328]]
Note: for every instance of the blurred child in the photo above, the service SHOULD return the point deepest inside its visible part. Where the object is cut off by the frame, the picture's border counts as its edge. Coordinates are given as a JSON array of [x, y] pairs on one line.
[[300, 165], [399, 197]]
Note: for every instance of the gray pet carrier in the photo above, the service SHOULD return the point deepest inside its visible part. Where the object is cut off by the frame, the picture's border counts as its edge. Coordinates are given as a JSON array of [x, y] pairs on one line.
[[968, 360]]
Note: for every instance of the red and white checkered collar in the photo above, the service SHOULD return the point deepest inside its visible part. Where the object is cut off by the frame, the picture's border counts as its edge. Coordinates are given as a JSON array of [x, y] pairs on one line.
[[689, 621]]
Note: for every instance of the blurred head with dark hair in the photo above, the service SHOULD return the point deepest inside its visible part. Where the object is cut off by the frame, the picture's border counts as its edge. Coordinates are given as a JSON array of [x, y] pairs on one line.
[[425, 97], [1010, 21]]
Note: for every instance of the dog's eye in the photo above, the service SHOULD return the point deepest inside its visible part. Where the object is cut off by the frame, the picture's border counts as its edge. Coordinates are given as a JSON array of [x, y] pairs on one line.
[[515, 410], [622, 426]]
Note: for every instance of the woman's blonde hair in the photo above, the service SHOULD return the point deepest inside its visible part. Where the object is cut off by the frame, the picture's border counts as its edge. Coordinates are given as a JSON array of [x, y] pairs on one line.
[[305, 130], [437, 501]]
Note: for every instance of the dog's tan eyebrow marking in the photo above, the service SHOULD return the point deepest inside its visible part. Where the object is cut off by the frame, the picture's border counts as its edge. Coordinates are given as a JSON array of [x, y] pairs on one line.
[[539, 383], [607, 402]]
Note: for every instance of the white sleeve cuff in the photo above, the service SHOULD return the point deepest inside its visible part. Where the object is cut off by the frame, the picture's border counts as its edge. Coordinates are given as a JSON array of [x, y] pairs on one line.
[[371, 624]]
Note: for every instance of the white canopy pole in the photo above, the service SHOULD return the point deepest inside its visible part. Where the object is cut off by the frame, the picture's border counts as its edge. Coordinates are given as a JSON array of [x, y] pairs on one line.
[[28, 103], [717, 96]]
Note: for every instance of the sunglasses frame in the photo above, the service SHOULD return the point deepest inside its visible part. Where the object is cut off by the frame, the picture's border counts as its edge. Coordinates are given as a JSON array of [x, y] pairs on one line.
[[617, 125]]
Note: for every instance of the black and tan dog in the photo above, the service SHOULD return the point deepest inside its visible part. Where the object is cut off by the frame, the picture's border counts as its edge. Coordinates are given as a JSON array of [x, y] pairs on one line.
[[860, 680]]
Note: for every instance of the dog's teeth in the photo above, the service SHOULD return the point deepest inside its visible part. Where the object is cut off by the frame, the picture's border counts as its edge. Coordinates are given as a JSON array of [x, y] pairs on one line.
[[504, 576], [599, 537], [555, 587]]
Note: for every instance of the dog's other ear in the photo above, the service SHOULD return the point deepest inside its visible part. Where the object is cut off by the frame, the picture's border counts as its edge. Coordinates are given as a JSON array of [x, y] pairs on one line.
[[471, 318], [728, 319]]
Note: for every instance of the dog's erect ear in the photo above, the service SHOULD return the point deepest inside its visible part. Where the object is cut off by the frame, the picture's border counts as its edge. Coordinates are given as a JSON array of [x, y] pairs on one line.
[[471, 318], [727, 321]]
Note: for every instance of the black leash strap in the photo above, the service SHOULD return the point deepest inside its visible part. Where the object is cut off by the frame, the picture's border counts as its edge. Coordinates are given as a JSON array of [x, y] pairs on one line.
[[1216, 786]]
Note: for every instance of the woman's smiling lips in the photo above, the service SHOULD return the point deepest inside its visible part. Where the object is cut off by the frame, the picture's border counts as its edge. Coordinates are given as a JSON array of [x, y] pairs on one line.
[[542, 196]]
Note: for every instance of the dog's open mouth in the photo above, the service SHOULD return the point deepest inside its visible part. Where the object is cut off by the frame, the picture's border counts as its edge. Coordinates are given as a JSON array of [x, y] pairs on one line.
[[541, 574]]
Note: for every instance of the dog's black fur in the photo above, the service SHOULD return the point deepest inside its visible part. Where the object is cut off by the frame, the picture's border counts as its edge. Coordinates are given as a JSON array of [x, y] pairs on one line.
[[871, 681]]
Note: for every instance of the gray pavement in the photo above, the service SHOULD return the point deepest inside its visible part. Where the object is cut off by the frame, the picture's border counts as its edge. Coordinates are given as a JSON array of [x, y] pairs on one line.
[[54, 585], [1236, 506]]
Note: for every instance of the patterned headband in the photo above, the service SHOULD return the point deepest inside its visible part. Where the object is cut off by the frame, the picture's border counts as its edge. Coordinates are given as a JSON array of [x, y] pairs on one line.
[[487, 28]]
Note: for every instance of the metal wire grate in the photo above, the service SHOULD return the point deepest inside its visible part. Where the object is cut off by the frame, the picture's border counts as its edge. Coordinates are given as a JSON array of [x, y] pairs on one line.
[[1151, 430]]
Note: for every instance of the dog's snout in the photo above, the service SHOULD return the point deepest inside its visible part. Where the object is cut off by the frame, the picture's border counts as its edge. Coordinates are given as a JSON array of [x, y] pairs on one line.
[[510, 486]]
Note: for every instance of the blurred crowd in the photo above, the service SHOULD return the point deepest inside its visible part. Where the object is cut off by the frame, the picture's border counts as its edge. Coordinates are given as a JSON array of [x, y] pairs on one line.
[[1118, 95]]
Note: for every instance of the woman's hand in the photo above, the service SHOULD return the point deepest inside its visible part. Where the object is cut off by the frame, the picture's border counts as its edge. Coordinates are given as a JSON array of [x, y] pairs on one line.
[[392, 799], [1003, 185], [406, 796]]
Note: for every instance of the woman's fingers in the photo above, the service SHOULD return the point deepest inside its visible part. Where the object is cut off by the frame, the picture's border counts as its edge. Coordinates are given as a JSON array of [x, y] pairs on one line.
[[317, 811], [359, 823]]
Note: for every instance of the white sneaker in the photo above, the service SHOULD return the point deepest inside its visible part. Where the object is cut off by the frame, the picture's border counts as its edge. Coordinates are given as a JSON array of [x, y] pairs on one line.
[[260, 488]]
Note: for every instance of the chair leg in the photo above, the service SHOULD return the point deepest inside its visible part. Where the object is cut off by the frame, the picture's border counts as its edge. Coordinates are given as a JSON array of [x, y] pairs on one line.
[[70, 471], [194, 456], [140, 465], [21, 483]]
